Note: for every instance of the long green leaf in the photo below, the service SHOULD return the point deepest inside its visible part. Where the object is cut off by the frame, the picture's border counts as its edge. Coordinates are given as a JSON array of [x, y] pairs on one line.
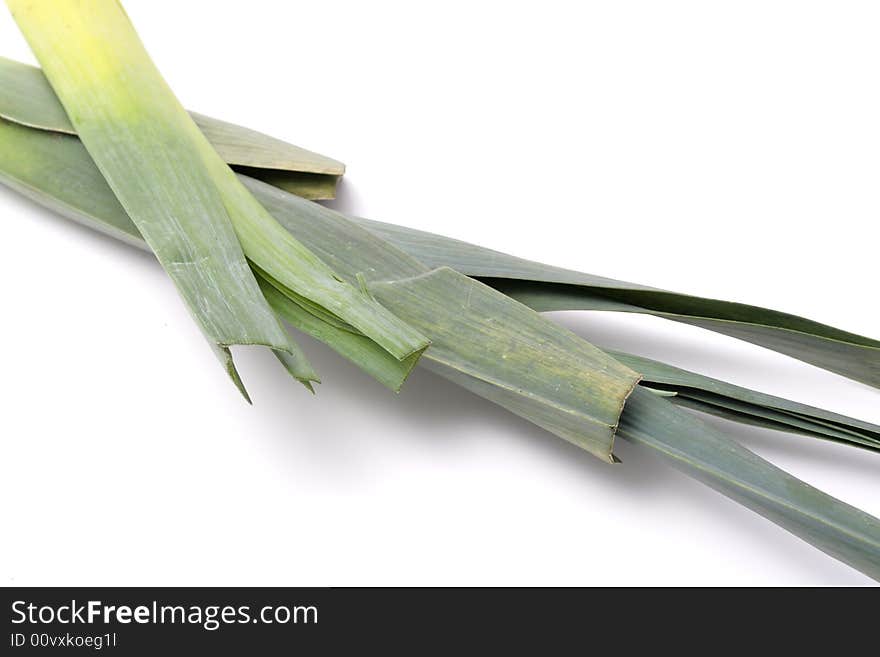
[[165, 188], [545, 288], [834, 527], [27, 98]]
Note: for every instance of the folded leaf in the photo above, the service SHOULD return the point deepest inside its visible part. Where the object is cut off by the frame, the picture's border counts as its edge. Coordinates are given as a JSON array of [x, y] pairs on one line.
[[27, 98], [362, 351]]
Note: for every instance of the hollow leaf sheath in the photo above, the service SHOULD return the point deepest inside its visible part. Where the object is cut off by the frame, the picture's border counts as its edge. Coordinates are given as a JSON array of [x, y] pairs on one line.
[[185, 200]]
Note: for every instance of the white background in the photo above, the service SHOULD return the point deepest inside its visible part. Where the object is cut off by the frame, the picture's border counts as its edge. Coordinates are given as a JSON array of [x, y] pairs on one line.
[[722, 149]]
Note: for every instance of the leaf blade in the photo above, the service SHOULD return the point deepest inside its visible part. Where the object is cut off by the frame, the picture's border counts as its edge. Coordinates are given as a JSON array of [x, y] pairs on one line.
[[836, 528]]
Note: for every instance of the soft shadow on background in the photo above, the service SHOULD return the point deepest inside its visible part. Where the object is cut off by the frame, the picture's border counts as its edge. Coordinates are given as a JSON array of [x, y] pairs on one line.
[[346, 200], [429, 400]]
